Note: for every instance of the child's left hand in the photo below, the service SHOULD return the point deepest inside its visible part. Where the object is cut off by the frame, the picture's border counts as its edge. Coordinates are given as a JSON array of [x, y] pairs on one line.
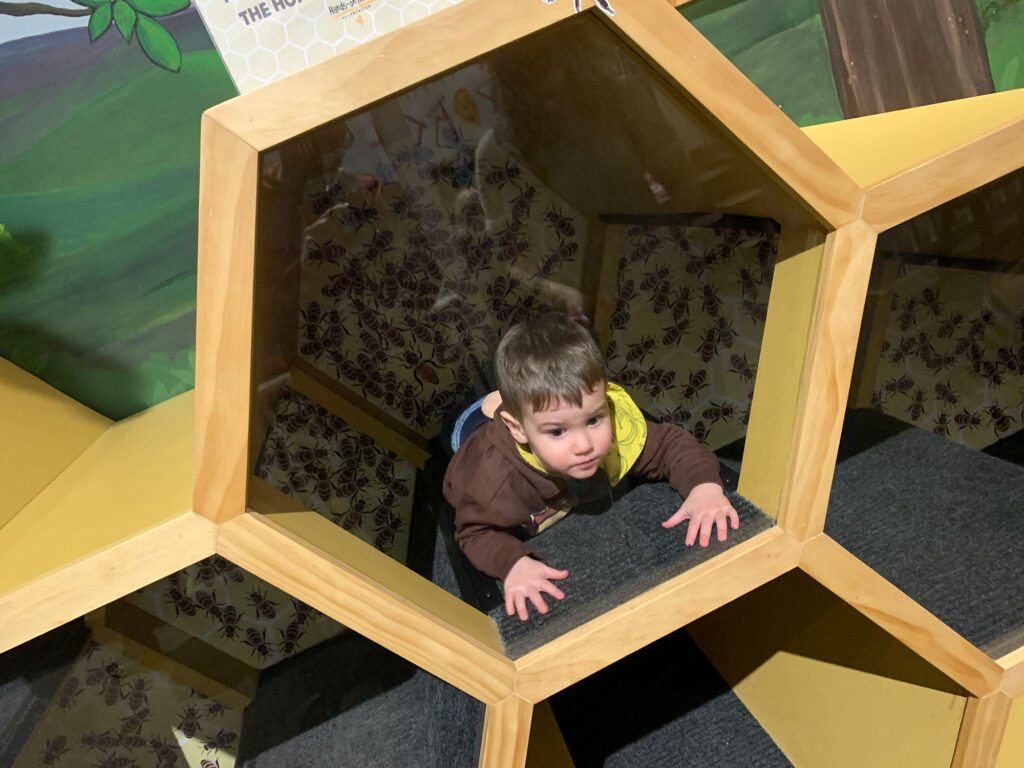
[[706, 506]]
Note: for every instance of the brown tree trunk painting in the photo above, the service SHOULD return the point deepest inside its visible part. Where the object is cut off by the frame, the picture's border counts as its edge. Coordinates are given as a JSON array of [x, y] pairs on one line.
[[893, 54]]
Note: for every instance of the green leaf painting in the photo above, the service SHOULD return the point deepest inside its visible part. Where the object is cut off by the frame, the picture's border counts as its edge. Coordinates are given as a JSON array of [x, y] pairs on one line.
[[158, 7], [99, 21], [158, 44], [124, 18]]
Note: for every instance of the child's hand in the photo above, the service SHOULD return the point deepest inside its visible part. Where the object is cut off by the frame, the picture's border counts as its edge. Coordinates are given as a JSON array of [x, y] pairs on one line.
[[527, 579], [706, 506]]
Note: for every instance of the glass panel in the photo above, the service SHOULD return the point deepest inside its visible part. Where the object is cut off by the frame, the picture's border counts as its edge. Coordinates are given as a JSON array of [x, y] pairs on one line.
[[928, 490], [212, 666], [398, 244]]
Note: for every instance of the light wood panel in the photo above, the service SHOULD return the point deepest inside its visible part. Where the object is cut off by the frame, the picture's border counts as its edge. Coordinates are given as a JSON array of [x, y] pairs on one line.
[[832, 343], [100, 577], [547, 746], [960, 170], [853, 581], [686, 56], [876, 147], [654, 614], [876, 320], [506, 734], [608, 282], [44, 431], [382, 66], [1013, 680], [346, 594], [780, 365], [228, 183], [1011, 753], [982, 732], [288, 515], [137, 474]]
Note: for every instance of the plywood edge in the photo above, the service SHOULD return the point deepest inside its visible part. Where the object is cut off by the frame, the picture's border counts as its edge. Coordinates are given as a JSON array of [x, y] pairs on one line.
[[506, 734], [981, 734], [228, 184], [876, 147], [956, 172], [675, 46], [73, 590], [304, 379], [334, 588], [825, 385], [894, 611], [1013, 679], [380, 67], [655, 613]]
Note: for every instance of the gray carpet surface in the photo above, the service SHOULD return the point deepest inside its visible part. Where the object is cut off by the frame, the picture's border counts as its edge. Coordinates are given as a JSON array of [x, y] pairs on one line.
[[664, 706], [615, 556], [348, 702], [945, 524], [29, 678]]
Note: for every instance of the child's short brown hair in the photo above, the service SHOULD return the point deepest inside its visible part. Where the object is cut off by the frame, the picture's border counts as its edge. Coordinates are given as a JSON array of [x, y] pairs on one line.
[[544, 360]]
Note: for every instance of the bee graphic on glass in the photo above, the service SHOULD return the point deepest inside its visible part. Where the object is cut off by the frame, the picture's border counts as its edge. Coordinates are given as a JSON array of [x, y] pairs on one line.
[[578, 5]]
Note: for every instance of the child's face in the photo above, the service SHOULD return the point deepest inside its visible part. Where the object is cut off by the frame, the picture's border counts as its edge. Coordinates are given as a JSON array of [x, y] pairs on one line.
[[567, 440]]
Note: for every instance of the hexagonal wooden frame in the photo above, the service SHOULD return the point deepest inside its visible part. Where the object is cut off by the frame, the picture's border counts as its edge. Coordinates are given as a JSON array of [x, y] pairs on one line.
[[795, 422]]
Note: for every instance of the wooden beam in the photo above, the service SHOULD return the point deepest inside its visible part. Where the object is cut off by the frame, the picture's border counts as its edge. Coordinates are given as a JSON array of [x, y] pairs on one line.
[[382, 67], [1013, 680], [981, 734], [773, 411], [97, 579], [366, 591], [958, 171], [506, 734], [647, 617], [670, 43], [228, 183], [895, 612], [831, 346]]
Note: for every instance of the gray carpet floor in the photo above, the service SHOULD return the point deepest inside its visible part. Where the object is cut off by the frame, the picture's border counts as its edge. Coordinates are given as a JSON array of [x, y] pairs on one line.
[[945, 524], [664, 706], [613, 557]]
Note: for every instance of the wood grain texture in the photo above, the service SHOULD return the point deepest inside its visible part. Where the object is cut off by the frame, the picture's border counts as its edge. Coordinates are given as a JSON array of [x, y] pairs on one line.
[[968, 166], [981, 733], [779, 368], [228, 183], [352, 598], [1013, 679], [654, 614], [506, 734], [381, 67], [825, 385], [673, 45], [97, 579], [857, 584], [894, 54]]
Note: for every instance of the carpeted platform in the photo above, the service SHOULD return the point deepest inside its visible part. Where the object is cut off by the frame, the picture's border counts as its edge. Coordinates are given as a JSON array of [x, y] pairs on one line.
[[349, 702], [945, 524], [614, 556], [664, 705]]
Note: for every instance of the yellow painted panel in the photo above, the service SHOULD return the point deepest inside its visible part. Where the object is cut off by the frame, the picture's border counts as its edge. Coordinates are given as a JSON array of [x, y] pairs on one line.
[[830, 687], [136, 474], [780, 368], [876, 147], [44, 431], [1011, 754]]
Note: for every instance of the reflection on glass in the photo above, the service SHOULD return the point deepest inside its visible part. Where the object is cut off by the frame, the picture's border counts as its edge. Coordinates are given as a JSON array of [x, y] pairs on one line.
[[931, 465], [559, 173]]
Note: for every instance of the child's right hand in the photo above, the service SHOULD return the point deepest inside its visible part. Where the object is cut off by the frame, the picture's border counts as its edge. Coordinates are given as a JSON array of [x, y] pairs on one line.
[[528, 579]]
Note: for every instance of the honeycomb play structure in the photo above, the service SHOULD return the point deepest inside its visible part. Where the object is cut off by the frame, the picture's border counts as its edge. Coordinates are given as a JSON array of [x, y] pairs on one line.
[[837, 311]]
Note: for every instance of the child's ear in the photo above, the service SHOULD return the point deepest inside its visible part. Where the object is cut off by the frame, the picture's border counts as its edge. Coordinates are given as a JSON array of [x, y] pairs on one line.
[[514, 427]]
